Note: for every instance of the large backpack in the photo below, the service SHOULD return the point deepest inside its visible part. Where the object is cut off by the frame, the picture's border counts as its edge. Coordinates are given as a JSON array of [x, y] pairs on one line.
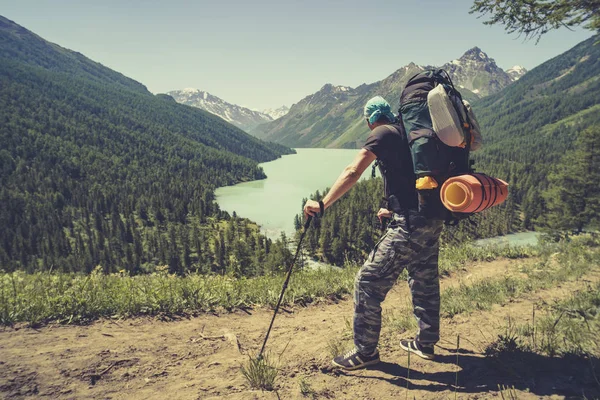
[[442, 131]]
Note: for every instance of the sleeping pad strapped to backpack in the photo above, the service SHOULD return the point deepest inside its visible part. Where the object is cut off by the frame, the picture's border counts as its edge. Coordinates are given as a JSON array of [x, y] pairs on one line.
[[440, 146]]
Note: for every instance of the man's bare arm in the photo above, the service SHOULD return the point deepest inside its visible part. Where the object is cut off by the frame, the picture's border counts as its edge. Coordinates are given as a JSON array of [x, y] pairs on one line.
[[344, 182]]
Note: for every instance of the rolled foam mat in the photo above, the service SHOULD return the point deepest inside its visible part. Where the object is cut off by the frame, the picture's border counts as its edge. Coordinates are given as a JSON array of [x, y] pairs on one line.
[[473, 193]]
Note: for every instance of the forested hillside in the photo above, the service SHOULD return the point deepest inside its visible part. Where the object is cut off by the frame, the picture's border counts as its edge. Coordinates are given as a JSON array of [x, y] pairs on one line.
[[95, 170], [530, 125], [528, 128]]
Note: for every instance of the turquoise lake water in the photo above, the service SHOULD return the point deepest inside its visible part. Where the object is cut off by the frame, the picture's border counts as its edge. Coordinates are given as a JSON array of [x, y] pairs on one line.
[[516, 239], [273, 202]]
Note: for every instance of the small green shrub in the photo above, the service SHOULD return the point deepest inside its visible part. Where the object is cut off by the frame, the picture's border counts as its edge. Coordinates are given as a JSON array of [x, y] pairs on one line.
[[260, 372], [305, 389]]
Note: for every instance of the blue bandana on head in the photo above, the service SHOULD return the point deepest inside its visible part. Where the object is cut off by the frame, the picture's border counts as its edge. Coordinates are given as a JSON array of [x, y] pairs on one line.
[[376, 107]]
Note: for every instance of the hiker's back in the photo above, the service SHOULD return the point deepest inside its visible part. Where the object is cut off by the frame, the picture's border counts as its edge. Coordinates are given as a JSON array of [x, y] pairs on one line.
[[389, 143]]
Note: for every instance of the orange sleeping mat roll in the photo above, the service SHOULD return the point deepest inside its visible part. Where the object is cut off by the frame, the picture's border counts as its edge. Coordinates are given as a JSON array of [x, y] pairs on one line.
[[473, 193]]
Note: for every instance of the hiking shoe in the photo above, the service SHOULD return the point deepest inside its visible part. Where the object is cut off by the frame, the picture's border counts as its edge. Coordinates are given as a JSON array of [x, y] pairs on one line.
[[354, 360], [413, 346]]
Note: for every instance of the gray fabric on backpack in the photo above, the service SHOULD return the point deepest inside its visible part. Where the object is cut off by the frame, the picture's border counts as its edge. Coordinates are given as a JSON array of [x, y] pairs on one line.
[[477, 141], [446, 121]]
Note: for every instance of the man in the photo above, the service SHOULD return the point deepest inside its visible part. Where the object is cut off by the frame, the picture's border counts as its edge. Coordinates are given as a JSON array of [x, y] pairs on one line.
[[411, 242]]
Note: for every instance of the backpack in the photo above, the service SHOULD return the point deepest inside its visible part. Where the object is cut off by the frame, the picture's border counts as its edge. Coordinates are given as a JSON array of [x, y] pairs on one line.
[[442, 130]]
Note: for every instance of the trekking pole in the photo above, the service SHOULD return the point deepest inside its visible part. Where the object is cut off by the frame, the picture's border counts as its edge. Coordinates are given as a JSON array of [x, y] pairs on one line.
[[287, 279]]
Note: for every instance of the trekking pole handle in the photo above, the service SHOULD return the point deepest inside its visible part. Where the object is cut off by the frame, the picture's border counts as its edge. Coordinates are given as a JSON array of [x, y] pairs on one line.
[[307, 223]]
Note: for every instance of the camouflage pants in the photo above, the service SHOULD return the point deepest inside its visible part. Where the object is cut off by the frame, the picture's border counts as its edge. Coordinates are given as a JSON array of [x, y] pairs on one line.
[[415, 249]]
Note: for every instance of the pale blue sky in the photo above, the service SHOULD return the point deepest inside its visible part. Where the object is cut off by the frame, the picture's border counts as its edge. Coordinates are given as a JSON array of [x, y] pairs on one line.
[[266, 53]]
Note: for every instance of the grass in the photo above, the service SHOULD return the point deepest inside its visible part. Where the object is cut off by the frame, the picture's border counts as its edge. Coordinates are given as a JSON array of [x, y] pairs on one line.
[[76, 298], [337, 346], [305, 389], [563, 342], [455, 257], [558, 262], [340, 344], [570, 261], [572, 326], [260, 372], [567, 327], [561, 339], [399, 320]]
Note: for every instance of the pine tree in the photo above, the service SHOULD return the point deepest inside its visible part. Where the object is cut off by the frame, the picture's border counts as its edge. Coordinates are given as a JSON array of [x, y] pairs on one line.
[[573, 197], [534, 18]]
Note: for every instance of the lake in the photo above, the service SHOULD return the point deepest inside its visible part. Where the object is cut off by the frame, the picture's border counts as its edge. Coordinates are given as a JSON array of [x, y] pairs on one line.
[[515, 239], [273, 202]]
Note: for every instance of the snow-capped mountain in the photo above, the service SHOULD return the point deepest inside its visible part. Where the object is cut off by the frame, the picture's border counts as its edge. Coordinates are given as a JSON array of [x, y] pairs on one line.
[[516, 72], [276, 113], [477, 72], [242, 117]]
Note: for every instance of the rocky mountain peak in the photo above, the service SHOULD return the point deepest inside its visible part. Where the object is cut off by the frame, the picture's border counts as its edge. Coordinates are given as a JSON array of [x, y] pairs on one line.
[[276, 113], [477, 72], [476, 54], [516, 72], [330, 88], [240, 116]]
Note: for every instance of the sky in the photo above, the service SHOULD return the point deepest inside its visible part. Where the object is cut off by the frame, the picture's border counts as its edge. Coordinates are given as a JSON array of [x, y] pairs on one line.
[[265, 54]]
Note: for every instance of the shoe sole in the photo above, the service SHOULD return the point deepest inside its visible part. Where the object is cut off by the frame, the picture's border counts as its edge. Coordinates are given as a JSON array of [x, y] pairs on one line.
[[366, 364], [417, 352]]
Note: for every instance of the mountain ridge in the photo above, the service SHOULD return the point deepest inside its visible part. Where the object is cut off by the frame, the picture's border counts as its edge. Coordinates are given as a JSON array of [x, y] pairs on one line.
[[276, 113], [332, 116], [52, 56], [242, 117]]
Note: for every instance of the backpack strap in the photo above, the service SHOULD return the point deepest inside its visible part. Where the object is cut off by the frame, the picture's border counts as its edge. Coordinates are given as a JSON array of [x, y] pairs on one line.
[[376, 164]]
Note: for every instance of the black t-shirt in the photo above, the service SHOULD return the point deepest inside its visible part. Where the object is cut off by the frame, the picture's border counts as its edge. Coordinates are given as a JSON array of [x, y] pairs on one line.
[[390, 145]]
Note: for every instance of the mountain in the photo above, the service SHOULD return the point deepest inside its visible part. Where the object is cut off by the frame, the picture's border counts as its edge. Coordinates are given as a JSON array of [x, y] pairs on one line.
[[516, 72], [478, 73], [316, 120], [277, 112], [96, 170], [241, 117], [332, 117]]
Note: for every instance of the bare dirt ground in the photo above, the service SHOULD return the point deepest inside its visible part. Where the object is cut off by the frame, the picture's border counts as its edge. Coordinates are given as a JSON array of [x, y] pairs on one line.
[[200, 358]]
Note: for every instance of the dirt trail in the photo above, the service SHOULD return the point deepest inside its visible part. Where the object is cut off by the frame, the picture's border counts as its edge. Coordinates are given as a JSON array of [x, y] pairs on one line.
[[199, 358]]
